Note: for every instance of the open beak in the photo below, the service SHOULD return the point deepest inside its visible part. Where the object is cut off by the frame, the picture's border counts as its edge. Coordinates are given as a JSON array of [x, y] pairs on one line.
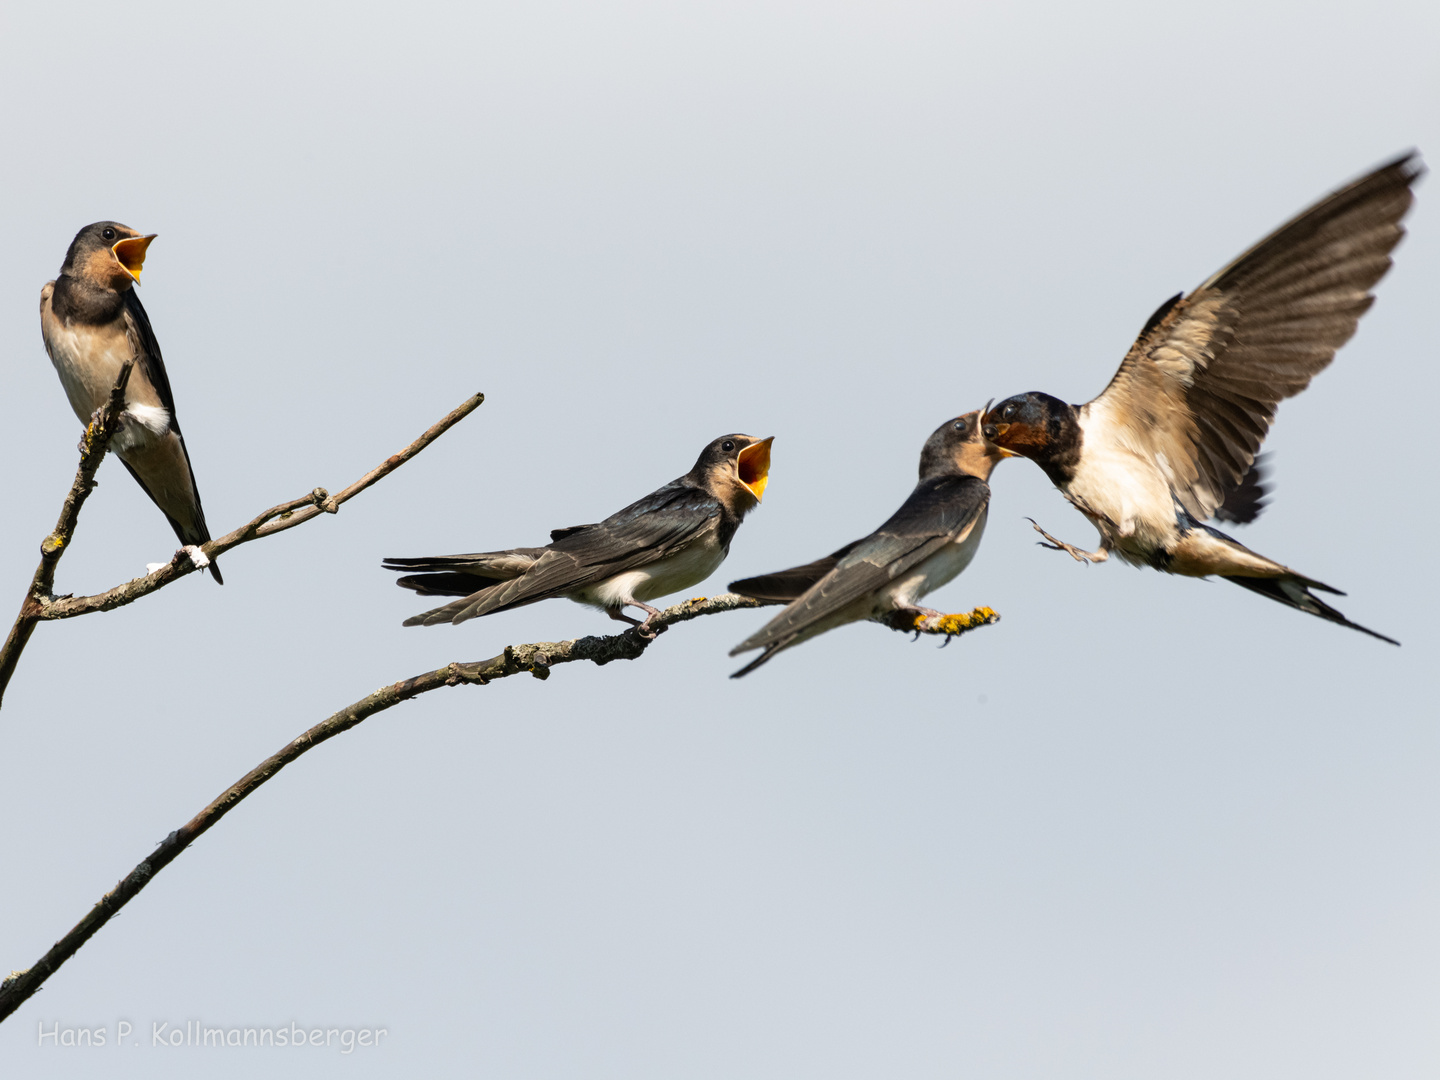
[[754, 466], [131, 253]]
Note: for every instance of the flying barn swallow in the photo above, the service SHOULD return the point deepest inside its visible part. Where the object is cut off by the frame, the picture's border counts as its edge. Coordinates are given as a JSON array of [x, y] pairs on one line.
[[92, 322], [673, 538], [923, 545], [1172, 440]]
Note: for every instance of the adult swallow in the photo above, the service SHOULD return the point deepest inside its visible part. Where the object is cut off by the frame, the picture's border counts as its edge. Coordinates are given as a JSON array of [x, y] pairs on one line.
[[673, 538], [92, 322], [923, 545], [1172, 440]]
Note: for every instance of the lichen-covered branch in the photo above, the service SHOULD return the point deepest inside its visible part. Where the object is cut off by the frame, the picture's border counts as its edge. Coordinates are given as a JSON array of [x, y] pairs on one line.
[[41, 606], [102, 428], [537, 658], [949, 625]]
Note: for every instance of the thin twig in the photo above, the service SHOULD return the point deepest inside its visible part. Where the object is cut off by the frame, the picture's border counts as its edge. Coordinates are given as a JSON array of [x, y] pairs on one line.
[[102, 428], [537, 658], [41, 606]]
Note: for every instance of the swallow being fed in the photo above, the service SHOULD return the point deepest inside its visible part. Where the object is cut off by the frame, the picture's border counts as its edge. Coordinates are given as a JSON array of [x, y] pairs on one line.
[[923, 545], [92, 322], [673, 538], [1172, 440]]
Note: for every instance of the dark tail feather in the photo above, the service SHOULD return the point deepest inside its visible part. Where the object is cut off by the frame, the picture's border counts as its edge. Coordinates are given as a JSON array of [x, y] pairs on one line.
[[770, 650], [200, 534], [446, 584], [784, 586], [429, 562], [1298, 596]]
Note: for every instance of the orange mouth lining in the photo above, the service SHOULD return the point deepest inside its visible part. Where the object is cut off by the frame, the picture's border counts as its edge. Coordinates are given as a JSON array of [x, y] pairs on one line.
[[130, 253], [753, 465]]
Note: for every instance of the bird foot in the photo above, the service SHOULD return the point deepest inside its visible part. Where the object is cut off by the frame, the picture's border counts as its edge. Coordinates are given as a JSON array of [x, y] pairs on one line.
[[648, 629], [645, 629], [1074, 552]]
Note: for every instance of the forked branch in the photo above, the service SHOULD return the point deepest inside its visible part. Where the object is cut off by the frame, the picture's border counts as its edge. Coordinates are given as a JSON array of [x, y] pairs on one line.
[[538, 659], [102, 428], [40, 604]]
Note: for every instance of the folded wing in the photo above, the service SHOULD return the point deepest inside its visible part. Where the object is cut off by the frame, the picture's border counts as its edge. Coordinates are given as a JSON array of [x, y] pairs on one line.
[[937, 512], [661, 524]]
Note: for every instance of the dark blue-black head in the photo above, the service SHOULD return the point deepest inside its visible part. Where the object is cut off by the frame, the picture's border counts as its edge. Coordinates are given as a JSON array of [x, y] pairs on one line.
[[1034, 425]]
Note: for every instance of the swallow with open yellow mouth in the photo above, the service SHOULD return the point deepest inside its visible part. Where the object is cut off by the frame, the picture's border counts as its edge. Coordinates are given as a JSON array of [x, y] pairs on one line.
[[673, 538], [92, 322], [1173, 439], [924, 545]]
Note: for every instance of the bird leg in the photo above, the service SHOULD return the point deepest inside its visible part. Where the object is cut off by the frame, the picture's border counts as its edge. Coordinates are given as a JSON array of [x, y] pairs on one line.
[[651, 614], [1075, 553], [644, 628]]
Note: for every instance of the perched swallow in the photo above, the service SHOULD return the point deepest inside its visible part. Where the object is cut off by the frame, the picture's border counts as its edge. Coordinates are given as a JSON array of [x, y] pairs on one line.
[[924, 545], [93, 322], [673, 538], [1172, 440]]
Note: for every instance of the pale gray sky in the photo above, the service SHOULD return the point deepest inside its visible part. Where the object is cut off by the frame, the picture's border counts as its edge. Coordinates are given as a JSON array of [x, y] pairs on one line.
[[1145, 827]]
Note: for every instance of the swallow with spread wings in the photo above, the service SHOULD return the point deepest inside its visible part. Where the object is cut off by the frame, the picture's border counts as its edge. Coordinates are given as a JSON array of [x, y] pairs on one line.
[[1172, 440]]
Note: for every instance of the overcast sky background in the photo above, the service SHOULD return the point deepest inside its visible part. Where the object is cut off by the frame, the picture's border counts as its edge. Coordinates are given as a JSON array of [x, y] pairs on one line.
[[1145, 827]]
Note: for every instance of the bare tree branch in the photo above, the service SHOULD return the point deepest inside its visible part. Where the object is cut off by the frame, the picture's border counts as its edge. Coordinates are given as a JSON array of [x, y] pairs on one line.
[[102, 428], [41, 606], [537, 658]]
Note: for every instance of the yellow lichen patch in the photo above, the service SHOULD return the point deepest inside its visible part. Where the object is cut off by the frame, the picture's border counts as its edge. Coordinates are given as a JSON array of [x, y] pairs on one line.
[[953, 624], [957, 623]]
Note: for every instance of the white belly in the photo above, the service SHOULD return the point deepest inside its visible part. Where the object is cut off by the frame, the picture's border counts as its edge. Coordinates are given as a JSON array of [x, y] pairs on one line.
[[1125, 495], [88, 369], [86, 376], [680, 571]]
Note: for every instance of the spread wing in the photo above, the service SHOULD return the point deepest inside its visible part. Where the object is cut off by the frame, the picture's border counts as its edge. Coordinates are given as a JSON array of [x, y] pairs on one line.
[[1198, 390], [659, 525], [937, 512]]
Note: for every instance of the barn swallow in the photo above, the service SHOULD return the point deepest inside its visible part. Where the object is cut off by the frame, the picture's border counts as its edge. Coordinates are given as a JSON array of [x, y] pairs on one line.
[[923, 545], [92, 322], [673, 538], [1172, 440]]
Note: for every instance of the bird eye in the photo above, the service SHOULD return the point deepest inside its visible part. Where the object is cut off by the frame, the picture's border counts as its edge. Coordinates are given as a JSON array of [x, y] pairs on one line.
[[959, 425], [728, 445], [1008, 413], [108, 234]]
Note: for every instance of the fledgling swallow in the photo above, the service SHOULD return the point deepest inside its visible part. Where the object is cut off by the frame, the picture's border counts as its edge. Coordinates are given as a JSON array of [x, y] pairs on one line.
[[92, 322], [923, 545], [1172, 440], [673, 538]]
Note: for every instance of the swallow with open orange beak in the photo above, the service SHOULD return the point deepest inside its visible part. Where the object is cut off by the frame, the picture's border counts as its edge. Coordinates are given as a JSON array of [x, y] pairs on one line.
[[672, 539], [1172, 442], [924, 545], [92, 322]]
